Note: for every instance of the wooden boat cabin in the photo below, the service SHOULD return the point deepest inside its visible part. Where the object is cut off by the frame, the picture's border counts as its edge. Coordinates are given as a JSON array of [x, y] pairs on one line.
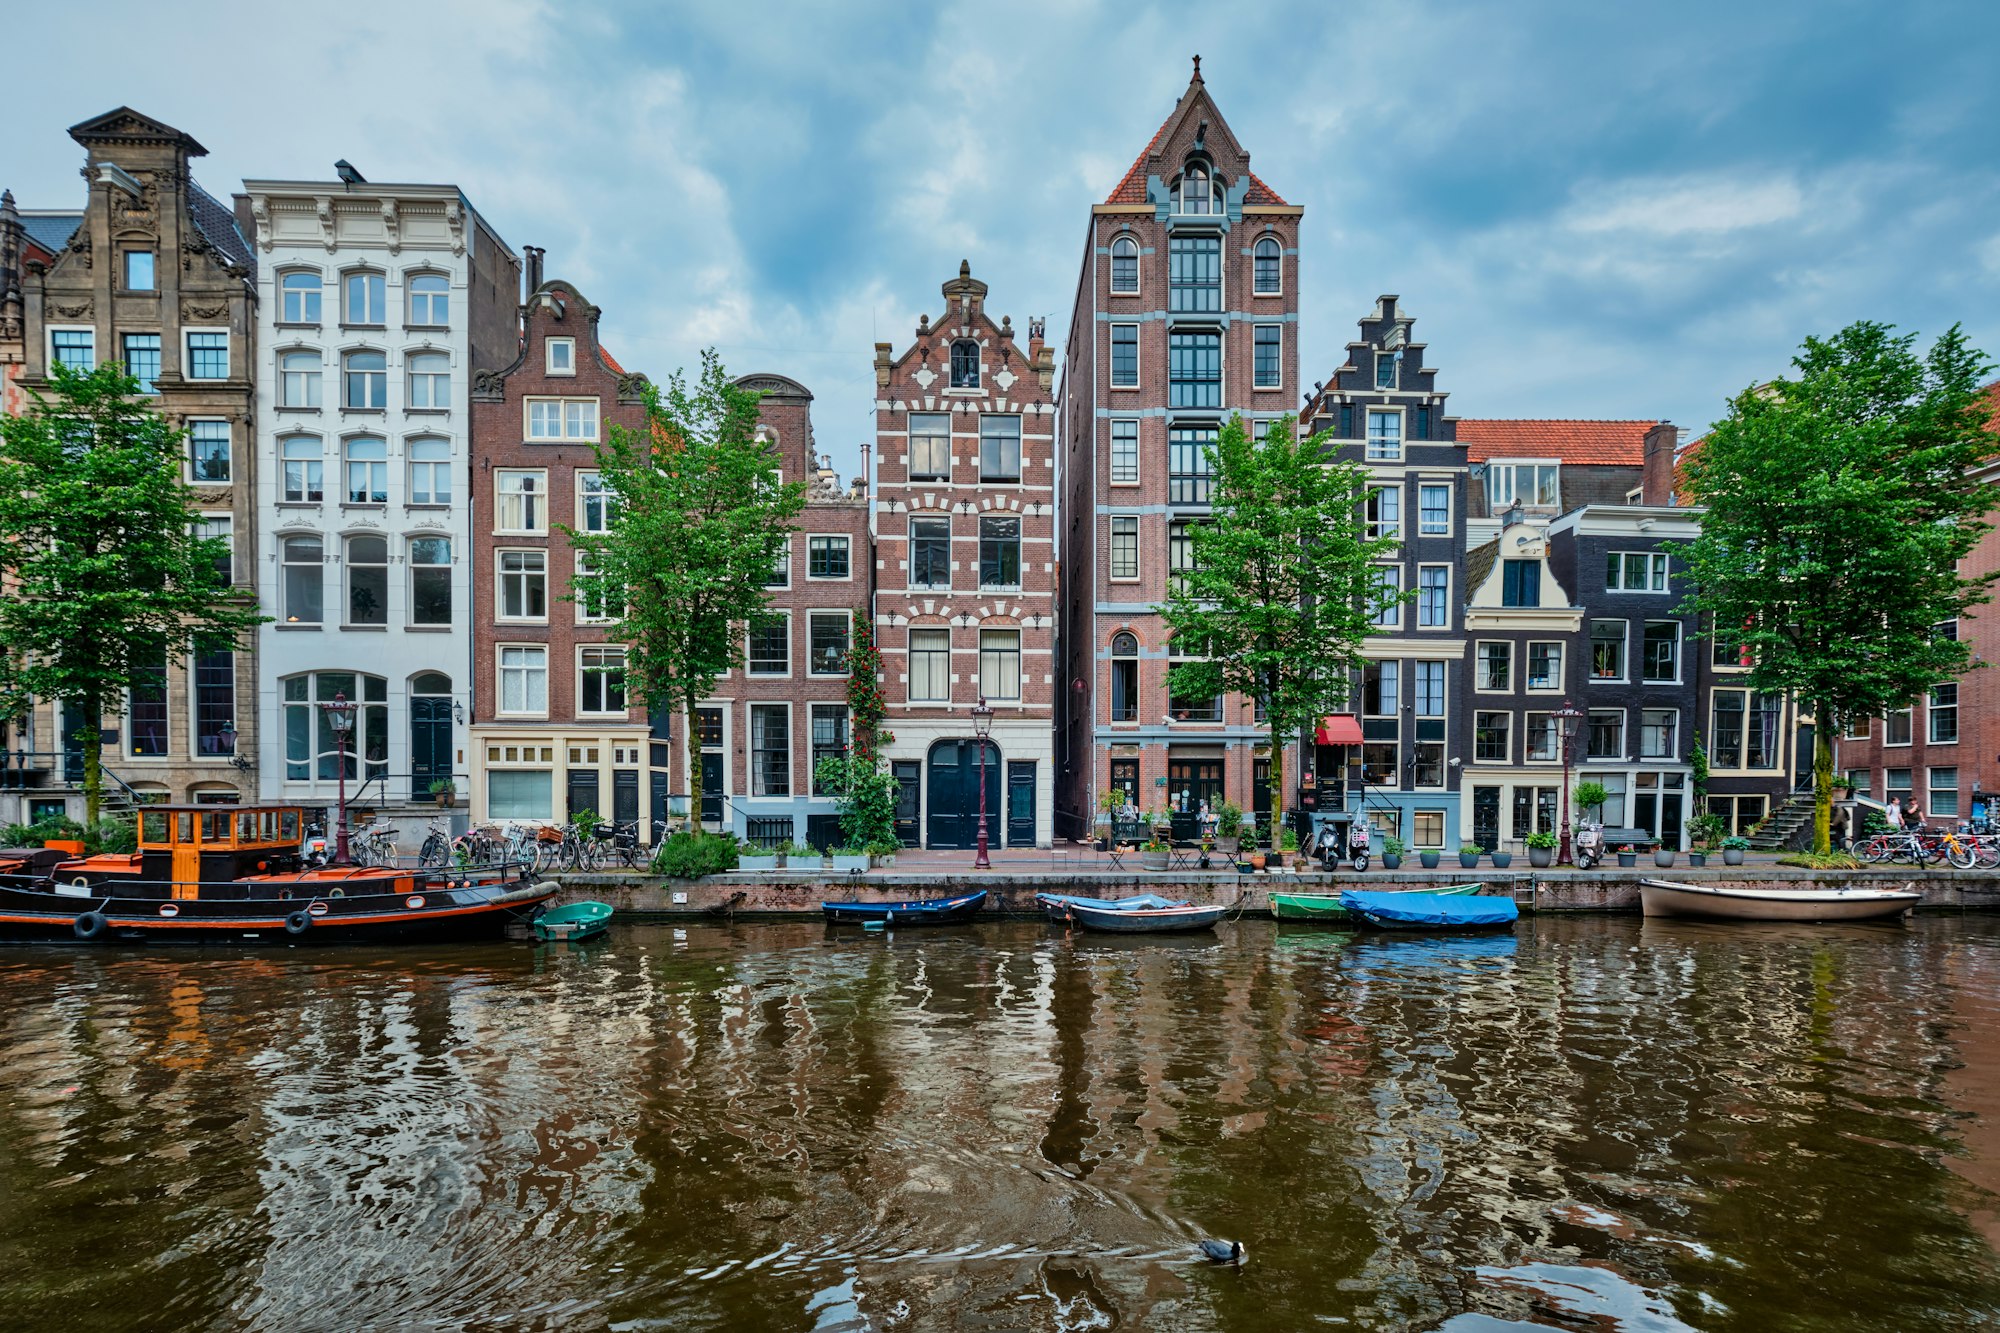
[[193, 844]]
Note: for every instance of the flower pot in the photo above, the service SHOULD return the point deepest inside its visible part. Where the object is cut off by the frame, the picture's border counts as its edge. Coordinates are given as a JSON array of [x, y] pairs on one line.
[[1663, 858], [762, 865], [1541, 857], [1391, 861], [845, 864], [1468, 861], [446, 799], [1429, 859], [1501, 860], [1697, 859], [1628, 859], [1732, 856], [1257, 861], [1153, 860]]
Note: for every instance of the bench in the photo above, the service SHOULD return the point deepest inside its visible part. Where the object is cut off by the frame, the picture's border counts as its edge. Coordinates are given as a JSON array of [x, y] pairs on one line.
[[1638, 839]]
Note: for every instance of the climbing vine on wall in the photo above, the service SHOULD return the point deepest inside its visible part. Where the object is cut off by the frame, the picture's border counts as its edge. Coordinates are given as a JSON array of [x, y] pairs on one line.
[[864, 693]]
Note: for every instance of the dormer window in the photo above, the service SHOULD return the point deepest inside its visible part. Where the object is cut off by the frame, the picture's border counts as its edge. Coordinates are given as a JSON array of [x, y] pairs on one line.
[[965, 364], [561, 356], [1196, 190]]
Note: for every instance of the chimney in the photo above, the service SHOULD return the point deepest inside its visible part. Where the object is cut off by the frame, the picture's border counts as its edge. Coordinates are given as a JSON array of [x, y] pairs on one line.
[[1656, 480], [533, 254], [1037, 330]]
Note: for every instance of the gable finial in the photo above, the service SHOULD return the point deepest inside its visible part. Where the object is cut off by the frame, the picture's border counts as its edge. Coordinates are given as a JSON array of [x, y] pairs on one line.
[[1197, 69]]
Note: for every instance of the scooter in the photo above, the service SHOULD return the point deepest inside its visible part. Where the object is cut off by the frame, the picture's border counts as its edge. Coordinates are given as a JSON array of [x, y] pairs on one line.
[[1588, 845], [1357, 846], [1323, 847], [313, 852]]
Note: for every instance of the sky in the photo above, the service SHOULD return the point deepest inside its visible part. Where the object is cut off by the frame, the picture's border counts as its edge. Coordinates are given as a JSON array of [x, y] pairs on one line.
[[1592, 210]]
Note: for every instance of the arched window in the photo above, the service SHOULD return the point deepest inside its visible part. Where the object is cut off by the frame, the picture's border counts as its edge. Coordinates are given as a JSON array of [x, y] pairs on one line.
[[303, 480], [430, 588], [313, 750], [301, 303], [363, 292], [366, 376], [430, 682], [1124, 266], [965, 364], [299, 374], [430, 299], [305, 587], [1270, 270], [430, 379], [367, 470], [1124, 678], [367, 581], [1196, 193]]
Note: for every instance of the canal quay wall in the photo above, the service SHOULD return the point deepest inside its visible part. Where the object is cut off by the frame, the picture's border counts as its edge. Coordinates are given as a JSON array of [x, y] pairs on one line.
[[800, 893]]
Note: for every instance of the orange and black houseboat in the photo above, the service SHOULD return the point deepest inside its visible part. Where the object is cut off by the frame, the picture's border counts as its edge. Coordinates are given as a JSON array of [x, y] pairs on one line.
[[227, 873]]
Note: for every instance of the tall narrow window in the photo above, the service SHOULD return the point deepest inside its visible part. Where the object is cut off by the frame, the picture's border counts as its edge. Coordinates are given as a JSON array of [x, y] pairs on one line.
[[1194, 275], [1386, 609], [430, 580], [1195, 193], [600, 684], [430, 299], [1124, 548], [524, 584], [771, 647], [1662, 649], [208, 451], [999, 552], [303, 469], [1124, 678], [1496, 665], [1194, 370], [1385, 370], [1607, 734], [598, 602], [930, 553], [1124, 451], [1492, 741], [1190, 471], [1385, 512], [524, 679], [1607, 650], [826, 650], [1545, 666], [214, 704], [770, 750], [1385, 437], [597, 503], [149, 705], [301, 301], [1434, 510], [220, 527], [1944, 718], [367, 581], [519, 496], [1520, 583], [1000, 663], [1427, 688], [298, 379], [208, 356], [965, 364], [1180, 553], [1269, 261], [999, 447], [430, 380], [365, 296], [303, 560], [367, 470], [142, 360], [430, 470], [1659, 733], [365, 377], [139, 275], [1269, 346], [1124, 356], [930, 665], [930, 446], [829, 737], [1124, 266]]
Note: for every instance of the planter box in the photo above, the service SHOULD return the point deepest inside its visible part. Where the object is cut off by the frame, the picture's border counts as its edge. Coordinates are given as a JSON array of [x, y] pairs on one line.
[[1430, 859], [1541, 857], [1501, 860], [1153, 860], [846, 864], [1664, 859], [762, 865], [1468, 862], [1628, 859], [1732, 856], [1697, 859]]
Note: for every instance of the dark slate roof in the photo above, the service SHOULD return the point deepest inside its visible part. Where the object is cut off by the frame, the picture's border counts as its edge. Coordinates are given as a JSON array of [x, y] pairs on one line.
[[1478, 564], [218, 224], [51, 231]]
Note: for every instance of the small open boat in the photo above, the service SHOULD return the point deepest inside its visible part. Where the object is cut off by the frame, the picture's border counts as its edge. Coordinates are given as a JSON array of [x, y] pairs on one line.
[[1326, 906], [573, 921], [925, 912], [1145, 920], [1429, 911], [1663, 897], [1056, 904]]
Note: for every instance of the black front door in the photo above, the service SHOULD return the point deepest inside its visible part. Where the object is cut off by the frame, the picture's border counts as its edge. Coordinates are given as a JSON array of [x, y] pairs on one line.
[[583, 792], [1190, 782], [430, 743], [1486, 817], [625, 796], [711, 788], [1020, 803], [953, 819], [72, 741], [909, 797]]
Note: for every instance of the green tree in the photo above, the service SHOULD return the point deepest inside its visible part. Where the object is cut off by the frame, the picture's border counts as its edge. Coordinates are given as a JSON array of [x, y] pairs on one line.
[[100, 557], [1839, 502], [1282, 590], [702, 515]]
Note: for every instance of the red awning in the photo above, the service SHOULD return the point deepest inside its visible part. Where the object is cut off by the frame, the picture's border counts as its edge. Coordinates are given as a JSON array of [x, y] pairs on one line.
[[1338, 729]]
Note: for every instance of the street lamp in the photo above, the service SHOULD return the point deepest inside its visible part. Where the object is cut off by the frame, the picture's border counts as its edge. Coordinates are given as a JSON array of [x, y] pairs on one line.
[[1566, 718], [340, 721], [227, 735], [982, 727]]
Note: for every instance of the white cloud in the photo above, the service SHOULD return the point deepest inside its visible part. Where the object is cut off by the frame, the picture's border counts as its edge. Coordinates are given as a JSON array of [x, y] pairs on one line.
[[1682, 205]]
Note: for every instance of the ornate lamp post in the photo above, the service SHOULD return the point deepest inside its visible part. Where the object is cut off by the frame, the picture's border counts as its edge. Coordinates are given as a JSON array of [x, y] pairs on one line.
[[1566, 718], [982, 727], [340, 721]]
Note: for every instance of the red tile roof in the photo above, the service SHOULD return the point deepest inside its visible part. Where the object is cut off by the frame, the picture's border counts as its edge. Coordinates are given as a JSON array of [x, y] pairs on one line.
[[1132, 189], [1611, 443], [610, 360]]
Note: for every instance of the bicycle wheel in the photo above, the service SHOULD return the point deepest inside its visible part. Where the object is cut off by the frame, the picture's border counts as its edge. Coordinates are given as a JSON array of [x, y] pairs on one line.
[[1872, 850], [1986, 854], [432, 853], [1958, 854]]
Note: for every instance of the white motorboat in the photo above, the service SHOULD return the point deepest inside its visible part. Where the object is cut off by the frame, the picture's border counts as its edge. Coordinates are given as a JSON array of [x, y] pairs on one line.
[[1663, 897]]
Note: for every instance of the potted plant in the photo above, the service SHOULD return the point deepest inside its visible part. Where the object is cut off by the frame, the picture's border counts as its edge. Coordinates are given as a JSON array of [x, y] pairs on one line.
[[1288, 850], [850, 857], [798, 856], [1627, 857], [445, 792], [759, 860], [883, 852], [1228, 828], [1154, 855], [1663, 856], [1541, 849], [1468, 855], [1429, 860], [1501, 860], [1697, 857], [1107, 807], [1393, 848], [1589, 795], [1733, 849]]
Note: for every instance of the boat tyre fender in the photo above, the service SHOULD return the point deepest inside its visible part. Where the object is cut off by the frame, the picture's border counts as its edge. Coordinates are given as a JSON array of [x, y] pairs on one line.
[[298, 923], [90, 925]]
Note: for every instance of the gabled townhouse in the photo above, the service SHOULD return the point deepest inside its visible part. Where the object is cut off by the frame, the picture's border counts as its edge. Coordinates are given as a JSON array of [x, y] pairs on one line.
[[1185, 313], [962, 512]]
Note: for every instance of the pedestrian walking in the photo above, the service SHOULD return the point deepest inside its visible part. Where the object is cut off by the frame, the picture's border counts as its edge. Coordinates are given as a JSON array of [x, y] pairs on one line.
[[1894, 814], [1913, 817]]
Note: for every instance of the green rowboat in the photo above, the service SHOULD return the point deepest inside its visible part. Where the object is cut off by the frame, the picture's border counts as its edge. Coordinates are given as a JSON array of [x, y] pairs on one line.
[[573, 921], [1326, 906]]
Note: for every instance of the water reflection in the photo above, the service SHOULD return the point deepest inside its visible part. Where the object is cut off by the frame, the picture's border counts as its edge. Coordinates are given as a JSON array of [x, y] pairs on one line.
[[1595, 1123]]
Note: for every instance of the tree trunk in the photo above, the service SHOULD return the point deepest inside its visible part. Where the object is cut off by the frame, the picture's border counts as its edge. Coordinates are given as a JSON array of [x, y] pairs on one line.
[[1822, 778], [1277, 784], [93, 759], [691, 775]]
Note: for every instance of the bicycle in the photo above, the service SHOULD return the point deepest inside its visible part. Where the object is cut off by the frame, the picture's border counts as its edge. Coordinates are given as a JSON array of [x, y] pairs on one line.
[[436, 851], [374, 845]]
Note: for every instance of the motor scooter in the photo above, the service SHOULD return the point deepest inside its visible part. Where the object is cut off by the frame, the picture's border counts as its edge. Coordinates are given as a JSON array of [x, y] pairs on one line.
[[313, 852], [1358, 845], [1587, 845], [1323, 846]]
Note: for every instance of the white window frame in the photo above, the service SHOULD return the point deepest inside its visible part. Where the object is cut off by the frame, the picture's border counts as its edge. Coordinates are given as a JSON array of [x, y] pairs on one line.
[[848, 577], [791, 650], [1657, 567], [1111, 549], [1445, 486], [318, 289], [501, 576], [1644, 726], [1136, 477], [1111, 266], [1278, 290], [1680, 653], [314, 381], [1507, 732], [1279, 382], [1624, 736], [910, 657], [540, 492], [411, 463], [1496, 505], [580, 568], [501, 670], [1888, 744], [549, 365], [581, 673], [346, 311], [812, 669], [563, 435], [910, 434], [1624, 675], [1397, 606], [1931, 790], [432, 378], [1548, 728], [187, 352], [318, 456], [410, 279], [187, 462], [1388, 496], [609, 498], [1369, 443], [1020, 670], [1479, 647], [1528, 666], [1138, 356], [1449, 618], [751, 770], [206, 528]]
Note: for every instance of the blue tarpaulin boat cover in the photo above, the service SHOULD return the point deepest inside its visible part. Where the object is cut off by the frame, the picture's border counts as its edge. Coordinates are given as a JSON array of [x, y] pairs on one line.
[[1431, 909], [1139, 903]]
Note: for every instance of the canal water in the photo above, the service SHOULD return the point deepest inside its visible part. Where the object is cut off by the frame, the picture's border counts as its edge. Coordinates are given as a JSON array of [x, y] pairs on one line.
[[1594, 1124]]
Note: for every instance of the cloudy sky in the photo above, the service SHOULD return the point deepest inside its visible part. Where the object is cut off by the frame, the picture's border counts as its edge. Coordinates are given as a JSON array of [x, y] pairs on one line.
[[1594, 210]]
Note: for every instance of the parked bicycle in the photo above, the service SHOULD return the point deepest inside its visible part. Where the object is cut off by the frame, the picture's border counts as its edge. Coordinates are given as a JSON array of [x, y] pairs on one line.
[[374, 844], [436, 850]]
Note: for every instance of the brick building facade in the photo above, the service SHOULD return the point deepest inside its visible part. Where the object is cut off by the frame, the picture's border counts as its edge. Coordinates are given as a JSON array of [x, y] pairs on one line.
[[1186, 312], [963, 505]]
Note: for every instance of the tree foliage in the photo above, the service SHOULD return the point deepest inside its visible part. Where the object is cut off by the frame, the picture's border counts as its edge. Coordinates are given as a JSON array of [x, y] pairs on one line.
[[105, 573], [1839, 502], [1282, 590], [702, 514]]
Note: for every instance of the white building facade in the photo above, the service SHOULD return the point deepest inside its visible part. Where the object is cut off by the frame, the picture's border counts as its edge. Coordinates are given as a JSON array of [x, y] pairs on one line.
[[377, 305]]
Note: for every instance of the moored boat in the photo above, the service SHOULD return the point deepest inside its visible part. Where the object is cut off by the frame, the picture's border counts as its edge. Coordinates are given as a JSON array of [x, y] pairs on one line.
[[1326, 906], [1055, 904], [573, 922], [924, 912], [1429, 911], [1663, 897], [233, 874], [1146, 920]]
